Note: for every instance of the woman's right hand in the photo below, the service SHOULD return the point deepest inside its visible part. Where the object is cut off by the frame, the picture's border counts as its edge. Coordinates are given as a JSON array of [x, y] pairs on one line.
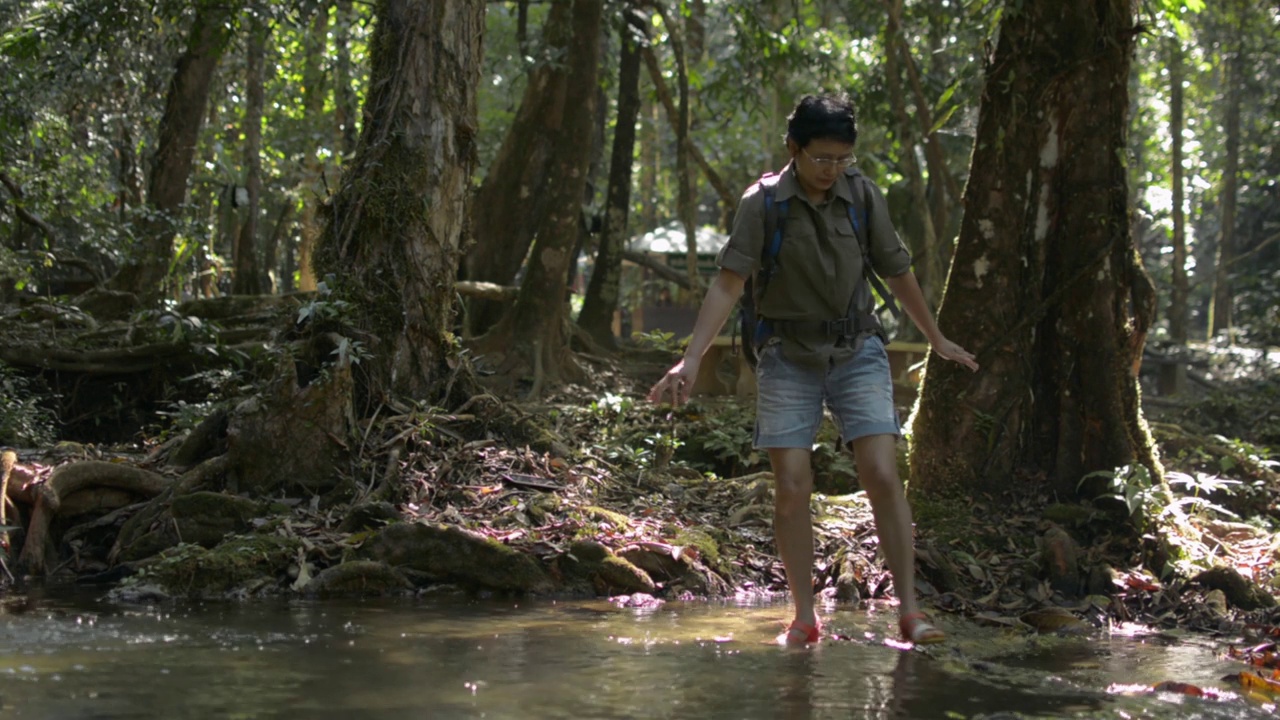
[[676, 385]]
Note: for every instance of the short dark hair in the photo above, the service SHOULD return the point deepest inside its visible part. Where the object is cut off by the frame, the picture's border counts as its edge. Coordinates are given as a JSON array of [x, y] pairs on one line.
[[823, 117]]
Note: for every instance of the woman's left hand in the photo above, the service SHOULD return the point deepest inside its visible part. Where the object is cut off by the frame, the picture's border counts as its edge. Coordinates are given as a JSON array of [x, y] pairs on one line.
[[955, 353]]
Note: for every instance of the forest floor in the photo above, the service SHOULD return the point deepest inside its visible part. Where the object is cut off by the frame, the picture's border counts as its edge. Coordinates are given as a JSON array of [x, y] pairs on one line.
[[644, 503]]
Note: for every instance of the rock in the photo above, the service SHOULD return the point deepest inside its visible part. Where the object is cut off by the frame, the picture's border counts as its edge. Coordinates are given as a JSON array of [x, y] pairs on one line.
[[200, 518], [682, 573], [1216, 602], [369, 516], [205, 518], [362, 578], [239, 563], [450, 554], [1101, 580], [590, 567], [1059, 559], [1240, 592]]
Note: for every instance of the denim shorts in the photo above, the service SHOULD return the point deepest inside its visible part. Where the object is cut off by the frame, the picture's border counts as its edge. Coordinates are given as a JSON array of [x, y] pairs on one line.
[[790, 397]]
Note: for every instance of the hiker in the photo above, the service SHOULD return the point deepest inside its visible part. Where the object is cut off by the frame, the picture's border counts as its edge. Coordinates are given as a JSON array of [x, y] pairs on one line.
[[818, 341]]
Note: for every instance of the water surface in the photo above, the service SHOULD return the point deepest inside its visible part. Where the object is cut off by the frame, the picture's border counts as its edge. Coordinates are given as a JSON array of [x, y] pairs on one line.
[[78, 657]]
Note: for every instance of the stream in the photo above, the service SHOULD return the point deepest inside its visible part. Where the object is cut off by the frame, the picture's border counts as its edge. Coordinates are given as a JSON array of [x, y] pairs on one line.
[[74, 655]]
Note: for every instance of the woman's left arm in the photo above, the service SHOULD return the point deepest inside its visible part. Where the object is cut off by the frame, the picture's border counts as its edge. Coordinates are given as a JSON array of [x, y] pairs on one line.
[[907, 290]]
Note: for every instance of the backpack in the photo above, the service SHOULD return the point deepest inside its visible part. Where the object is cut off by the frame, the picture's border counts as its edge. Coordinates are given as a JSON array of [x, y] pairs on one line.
[[757, 330]]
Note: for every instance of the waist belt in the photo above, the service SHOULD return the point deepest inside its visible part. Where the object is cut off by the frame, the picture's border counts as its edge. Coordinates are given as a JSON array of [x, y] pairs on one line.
[[845, 327]]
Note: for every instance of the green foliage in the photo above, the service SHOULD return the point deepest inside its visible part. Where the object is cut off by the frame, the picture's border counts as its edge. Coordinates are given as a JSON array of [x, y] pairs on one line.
[[659, 340], [24, 422], [1131, 485]]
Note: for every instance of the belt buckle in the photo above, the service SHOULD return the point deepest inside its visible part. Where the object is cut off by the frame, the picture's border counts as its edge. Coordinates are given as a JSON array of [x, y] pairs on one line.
[[839, 328]]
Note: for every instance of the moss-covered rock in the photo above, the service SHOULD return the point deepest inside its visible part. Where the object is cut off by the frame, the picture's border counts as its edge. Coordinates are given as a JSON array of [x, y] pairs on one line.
[[205, 518], [592, 568], [247, 564], [362, 578], [369, 516], [450, 554], [200, 518]]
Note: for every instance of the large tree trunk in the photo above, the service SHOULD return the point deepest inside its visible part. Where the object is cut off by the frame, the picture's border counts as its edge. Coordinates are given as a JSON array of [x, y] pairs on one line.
[[535, 326], [602, 292], [1046, 284], [180, 125], [1178, 308], [312, 104], [925, 247], [513, 201], [344, 96], [246, 280], [396, 223], [1223, 297]]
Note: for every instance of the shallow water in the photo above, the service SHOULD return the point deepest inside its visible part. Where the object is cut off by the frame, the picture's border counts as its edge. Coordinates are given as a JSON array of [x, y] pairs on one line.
[[77, 657]]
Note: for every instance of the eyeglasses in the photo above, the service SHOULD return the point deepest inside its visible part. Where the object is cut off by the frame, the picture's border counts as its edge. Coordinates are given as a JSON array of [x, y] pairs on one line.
[[839, 163]]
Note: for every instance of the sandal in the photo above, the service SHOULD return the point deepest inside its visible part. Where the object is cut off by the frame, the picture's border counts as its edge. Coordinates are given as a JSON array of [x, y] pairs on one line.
[[806, 633], [917, 629]]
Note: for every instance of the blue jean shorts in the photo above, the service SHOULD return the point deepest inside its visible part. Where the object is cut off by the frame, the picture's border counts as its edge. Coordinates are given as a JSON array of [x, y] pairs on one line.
[[790, 397]]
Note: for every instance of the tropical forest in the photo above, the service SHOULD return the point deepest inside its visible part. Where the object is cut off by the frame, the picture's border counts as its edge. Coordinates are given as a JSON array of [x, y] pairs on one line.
[[336, 320]]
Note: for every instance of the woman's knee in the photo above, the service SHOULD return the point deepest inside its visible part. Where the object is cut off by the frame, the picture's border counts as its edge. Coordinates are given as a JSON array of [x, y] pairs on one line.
[[879, 479]]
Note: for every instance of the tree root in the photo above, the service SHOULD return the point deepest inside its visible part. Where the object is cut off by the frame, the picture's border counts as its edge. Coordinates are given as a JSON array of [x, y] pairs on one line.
[[65, 482]]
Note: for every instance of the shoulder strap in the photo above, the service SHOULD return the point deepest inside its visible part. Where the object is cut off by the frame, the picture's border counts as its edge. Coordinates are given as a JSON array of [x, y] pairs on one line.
[[775, 221], [862, 230]]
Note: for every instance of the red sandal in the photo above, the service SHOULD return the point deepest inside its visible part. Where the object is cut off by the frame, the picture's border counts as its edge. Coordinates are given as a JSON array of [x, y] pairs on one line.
[[806, 633], [916, 629]]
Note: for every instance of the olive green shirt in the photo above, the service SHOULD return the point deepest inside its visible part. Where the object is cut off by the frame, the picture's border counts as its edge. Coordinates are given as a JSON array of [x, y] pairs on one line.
[[819, 264]]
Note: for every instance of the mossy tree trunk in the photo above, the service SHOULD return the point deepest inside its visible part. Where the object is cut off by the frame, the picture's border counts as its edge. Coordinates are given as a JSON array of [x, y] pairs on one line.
[[535, 326], [184, 111], [512, 203], [396, 222], [312, 187], [247, 280], [602, 293], [1046, 284]]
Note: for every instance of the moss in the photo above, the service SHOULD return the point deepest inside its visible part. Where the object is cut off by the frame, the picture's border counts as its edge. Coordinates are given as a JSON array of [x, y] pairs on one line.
[[450, 554], [945, 517], [617, 519], [701, 540], [239, 562]]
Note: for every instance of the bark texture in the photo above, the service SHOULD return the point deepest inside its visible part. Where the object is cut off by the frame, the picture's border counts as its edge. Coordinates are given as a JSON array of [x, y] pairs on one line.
[[535, 327], [247, 280], [184, 112], [513, 201], [602, 292], [397, 221], [1046, 285]]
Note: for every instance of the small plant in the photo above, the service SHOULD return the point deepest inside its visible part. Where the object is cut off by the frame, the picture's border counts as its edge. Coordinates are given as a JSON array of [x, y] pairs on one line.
[[659, 340], [23, 421], [1129, 484], [323, 306]]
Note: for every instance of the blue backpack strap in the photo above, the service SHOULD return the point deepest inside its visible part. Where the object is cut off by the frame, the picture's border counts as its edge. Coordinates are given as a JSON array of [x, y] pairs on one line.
[[862, 231]]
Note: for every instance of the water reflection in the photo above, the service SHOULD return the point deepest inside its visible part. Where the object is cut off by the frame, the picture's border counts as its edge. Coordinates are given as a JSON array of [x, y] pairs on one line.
[[438, 658]]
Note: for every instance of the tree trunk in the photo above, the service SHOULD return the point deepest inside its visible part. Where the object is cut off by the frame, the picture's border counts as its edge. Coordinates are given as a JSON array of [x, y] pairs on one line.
[[685, 200], [602, 292], [925, 249], [312, 104], [536, 324], [1178, 308], [246, 280], [344, 96], [1046, 285], [512, 201], [184, 108], [395, 256], [1223, 298]]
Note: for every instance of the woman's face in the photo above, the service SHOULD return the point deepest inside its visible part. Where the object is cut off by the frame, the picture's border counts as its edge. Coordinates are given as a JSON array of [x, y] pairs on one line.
[[819, 163]]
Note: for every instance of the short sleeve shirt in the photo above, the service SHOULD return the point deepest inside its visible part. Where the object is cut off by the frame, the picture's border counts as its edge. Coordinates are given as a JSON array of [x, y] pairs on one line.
[[819, 264]]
